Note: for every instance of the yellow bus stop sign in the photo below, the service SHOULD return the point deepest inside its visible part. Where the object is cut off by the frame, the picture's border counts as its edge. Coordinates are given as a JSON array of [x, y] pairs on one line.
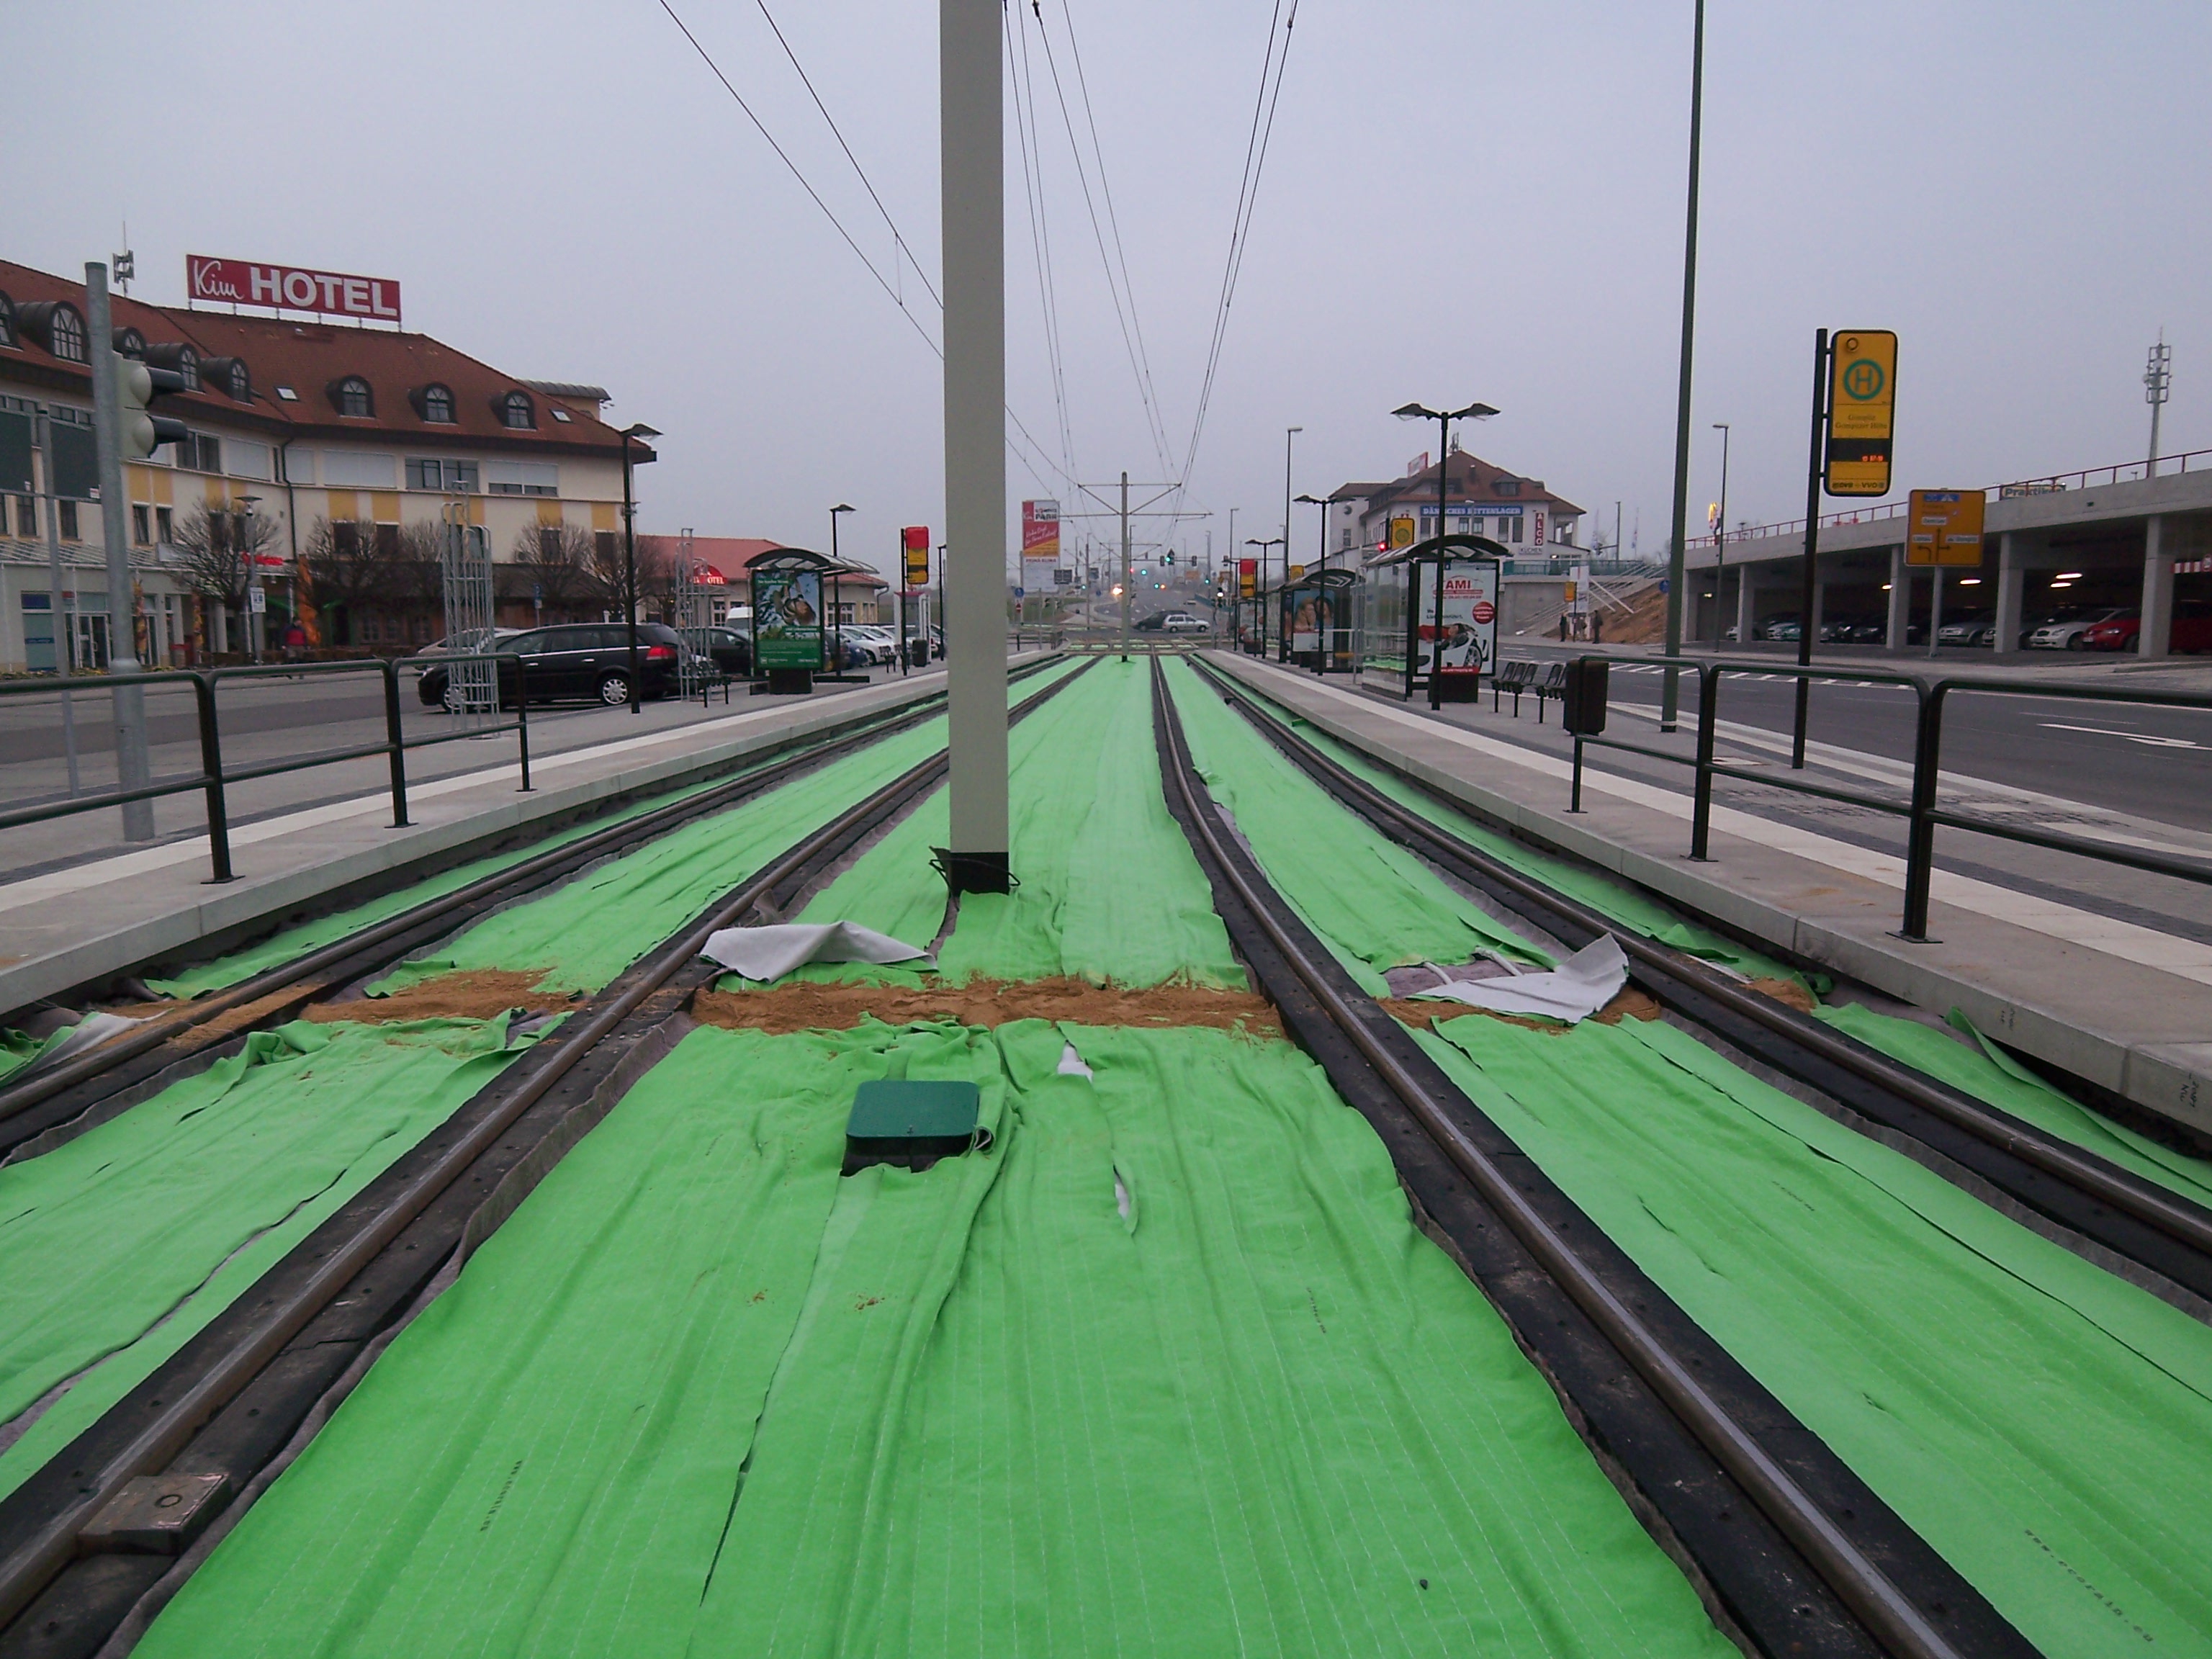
[[1861, 411], [1944, 527], [1401, 533]]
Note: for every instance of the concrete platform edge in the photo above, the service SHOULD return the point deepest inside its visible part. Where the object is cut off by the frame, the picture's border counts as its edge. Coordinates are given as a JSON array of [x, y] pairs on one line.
[[2172, 1078]]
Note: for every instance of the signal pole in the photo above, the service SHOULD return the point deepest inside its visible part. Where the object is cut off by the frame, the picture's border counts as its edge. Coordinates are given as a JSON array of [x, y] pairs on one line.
[[972, 148], [133, 770]]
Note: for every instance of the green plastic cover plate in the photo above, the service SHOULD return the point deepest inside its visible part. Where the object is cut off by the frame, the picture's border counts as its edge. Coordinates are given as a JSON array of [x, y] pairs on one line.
[[900, 1108]]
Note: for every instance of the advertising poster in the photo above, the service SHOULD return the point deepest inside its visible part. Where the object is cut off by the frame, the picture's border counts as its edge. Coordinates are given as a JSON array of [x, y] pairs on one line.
[[787, 618], [1470, 620], [1302, 619], [1040, 542]]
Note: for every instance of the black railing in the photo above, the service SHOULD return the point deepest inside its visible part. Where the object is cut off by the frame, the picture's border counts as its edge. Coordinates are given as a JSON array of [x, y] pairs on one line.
[[213, 778], [1920, 809]]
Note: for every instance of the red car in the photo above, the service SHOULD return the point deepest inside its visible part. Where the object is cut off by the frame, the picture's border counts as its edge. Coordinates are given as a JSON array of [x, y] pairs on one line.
[[2192, 630]]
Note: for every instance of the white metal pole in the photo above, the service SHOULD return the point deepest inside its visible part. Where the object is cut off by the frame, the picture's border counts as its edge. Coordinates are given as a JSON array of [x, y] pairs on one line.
[[971, 141], [133, 770]]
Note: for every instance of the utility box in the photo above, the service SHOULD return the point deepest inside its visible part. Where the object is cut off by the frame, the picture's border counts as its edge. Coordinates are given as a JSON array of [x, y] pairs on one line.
[[1582, 699], [912, 1123]]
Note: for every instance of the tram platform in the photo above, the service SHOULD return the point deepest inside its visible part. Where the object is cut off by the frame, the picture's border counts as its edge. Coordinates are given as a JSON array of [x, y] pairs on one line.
[[2115, 1003]]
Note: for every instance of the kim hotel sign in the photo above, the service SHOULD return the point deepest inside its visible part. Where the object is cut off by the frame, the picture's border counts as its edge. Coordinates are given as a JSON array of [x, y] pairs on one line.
[[291, 287]]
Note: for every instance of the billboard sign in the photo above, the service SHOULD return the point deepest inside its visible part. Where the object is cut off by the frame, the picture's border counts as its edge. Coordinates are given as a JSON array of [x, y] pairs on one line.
[[913, 545], [1470, 621], [291, 287], [786, 619], [1039, 533]]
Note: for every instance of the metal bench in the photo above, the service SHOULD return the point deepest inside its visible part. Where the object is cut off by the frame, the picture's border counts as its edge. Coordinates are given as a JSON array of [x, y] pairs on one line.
[[1514, 676], [1552, 683]]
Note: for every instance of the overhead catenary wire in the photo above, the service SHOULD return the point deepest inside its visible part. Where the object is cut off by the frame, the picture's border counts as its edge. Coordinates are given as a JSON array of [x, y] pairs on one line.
[[1039, 457], [1025, 89]]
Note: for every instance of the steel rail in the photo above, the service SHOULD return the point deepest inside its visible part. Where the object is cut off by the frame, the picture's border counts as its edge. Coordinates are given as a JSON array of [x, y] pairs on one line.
[[50, 1081], [1860, 1585], [25, 1572], [2178, 1219]]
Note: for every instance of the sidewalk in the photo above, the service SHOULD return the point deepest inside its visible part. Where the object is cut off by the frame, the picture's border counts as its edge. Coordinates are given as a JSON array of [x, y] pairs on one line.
[[103, 916], [2122, 1005]]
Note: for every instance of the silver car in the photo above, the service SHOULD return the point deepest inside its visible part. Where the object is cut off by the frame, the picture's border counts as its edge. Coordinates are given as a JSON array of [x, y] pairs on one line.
[[2066, 633]]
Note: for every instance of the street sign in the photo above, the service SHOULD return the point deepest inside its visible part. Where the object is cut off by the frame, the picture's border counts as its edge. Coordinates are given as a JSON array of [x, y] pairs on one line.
[[1297, 571], [1861, 411], [256, 599], [1944, 527]]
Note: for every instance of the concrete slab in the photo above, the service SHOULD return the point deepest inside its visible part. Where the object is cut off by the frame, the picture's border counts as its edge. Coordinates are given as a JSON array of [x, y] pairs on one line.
[[108, 916], [2122, 1005]]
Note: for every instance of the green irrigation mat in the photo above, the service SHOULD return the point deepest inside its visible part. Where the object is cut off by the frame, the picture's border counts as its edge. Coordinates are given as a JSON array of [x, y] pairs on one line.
[[1989, 1073], [701, 1396], [2045, 1426], [19, 1049], [119, 1246], [1110, 890], [1615, 900], [586, 930], [1372, 902]]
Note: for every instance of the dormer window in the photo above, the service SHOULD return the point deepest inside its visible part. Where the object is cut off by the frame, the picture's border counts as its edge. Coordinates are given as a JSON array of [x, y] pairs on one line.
[[129, 343], [7, 321], [58, 325], [435, 403], [517, 412], [351, 397], [176, 356], [228, 376]]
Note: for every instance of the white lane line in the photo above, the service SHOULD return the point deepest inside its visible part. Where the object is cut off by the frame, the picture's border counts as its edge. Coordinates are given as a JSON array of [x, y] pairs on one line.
[[2132, 736], [2187, 958]]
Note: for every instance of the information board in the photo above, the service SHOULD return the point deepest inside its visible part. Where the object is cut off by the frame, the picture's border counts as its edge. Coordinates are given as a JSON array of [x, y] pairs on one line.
[[787, 619]]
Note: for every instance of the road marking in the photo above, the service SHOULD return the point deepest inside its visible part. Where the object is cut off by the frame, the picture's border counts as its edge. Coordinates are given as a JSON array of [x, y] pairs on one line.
[[2132, 736], [2144, 946]]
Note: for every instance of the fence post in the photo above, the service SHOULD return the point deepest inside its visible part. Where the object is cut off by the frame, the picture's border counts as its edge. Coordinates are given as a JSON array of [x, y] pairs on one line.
[[218, 814], [1920, 834], [1701, 811], [522, 716], [394, 742], [1575, 802]]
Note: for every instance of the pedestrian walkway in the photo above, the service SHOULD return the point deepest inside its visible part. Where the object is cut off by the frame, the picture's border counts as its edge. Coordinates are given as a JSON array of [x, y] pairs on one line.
[[68, 927], [2117, 1003]]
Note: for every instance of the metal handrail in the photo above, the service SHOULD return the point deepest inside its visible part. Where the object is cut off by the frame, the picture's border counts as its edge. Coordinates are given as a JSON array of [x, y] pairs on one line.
[[1919, 808], [213, 778]]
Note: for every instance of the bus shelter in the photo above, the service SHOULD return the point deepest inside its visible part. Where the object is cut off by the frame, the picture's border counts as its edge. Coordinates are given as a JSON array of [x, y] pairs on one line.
[[1426, 617], [1313, 621]]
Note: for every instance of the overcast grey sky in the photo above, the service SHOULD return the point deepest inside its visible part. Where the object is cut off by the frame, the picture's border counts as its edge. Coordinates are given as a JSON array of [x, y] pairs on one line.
[[1462, 200]]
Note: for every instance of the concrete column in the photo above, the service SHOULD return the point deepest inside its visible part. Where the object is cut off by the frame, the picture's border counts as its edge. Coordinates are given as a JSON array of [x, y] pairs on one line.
[[1819, 604], [2155, 637], [1747, 605], [971, 129], [2011, 583], [1901, 599]]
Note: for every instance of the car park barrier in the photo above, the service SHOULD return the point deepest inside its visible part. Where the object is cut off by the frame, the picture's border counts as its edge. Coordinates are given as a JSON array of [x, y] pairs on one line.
[[213, 778], [1921, 809]]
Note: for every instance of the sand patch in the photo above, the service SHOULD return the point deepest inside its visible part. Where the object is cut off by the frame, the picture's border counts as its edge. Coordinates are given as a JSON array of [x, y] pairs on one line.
[[1628, 1003], [811, 1007], [1785, 991], [474, 993]]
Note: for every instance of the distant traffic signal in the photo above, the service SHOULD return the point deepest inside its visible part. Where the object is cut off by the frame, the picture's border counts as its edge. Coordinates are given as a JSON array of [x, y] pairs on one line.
[[139, 432]]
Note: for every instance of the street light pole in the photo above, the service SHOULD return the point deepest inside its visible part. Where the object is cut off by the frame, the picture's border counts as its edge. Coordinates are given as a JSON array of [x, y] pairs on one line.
[[1288, 435], [638, 429], [1677, 562], [1444, 418], [1720, 537], [133, 766], [1321, 588], [837, 585]]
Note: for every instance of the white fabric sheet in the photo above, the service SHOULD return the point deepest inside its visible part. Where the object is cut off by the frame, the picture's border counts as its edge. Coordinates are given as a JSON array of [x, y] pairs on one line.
[[771, 952], [1573, 991]]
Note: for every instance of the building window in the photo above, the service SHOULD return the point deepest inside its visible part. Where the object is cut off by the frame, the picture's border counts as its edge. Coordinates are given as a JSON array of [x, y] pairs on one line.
[[561, 415], [516, 410], [1516, 530], [351, 397], [437, 405], [7, 321], [141, 525], [196, 452], [287, 394], [449, 477], [240, 383], [68, 513], [67, 333], [164, 523], [26, 518], [129, 343]]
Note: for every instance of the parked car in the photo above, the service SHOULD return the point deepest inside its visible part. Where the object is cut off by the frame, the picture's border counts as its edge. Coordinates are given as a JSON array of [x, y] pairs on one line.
[[1152, 623], [2192, 630], [730, 649], [1875, 632], [1779, 627], [2067, 631], [879, 642], [469, 639], [1975, 628], [584, 660]]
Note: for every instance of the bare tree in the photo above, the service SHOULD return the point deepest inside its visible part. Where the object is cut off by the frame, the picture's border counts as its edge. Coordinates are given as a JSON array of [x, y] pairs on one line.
[[218, 548], [564, 562], [341, 563]]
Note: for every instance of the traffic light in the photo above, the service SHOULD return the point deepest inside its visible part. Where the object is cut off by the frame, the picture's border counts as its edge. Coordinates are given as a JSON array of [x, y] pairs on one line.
[[138, 431], [1171, 556]]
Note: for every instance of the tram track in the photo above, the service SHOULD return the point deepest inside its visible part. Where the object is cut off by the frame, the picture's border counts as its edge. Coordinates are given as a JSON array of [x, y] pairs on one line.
[[151, 1052], [1798, 1552], [226, 1403], [2073, 1189]]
